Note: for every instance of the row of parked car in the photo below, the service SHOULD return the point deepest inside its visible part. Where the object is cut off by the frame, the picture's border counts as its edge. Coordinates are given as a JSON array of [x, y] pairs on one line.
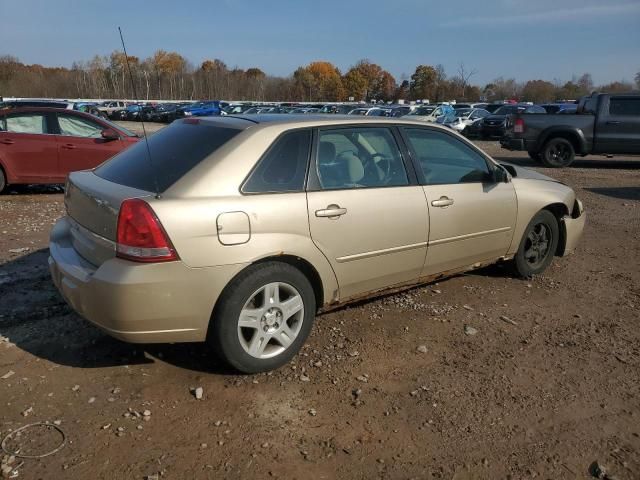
[[481, 120]]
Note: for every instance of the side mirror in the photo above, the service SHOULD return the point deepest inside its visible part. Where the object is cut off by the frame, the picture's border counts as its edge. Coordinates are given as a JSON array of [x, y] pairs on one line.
[[110, 134], [500, 175]]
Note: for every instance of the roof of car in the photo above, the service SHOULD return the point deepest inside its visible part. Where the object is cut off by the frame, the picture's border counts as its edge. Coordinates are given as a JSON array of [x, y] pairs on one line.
[[45, 109], [241, 121]]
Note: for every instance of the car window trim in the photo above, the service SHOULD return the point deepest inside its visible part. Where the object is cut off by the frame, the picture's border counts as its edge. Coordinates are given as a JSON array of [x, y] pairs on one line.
[[266, 153], [491, 165], [313, 182]]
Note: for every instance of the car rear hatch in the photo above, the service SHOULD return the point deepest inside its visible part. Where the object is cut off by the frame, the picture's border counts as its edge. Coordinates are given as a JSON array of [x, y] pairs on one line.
[[93, 205], [93, 198]]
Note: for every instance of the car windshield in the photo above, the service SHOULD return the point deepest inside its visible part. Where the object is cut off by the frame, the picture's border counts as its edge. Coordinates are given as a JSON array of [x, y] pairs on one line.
[[506, 110], [423, 111], [463, 112], [449, 117]]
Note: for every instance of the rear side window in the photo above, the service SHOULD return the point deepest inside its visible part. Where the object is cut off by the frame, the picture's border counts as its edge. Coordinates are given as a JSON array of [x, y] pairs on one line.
[[625, 106], [283, 167], [174, 151], [25, 123], [589, 105]]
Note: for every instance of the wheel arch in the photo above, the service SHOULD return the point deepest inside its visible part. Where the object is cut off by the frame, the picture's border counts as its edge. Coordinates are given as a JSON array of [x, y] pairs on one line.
[[559, 210], [305, 267], [573, 135], [3, 171]]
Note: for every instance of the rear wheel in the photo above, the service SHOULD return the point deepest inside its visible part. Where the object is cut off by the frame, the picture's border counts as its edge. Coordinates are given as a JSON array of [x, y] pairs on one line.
[[263, 317], [3, 181], [538, 244], [558, 153]]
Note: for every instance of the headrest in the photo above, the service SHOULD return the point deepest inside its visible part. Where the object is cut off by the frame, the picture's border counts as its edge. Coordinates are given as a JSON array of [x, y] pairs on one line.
[[326, 153], [353, 164]]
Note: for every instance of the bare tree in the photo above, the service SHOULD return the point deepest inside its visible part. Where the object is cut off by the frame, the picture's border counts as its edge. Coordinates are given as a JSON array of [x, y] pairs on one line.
[[464, 75]]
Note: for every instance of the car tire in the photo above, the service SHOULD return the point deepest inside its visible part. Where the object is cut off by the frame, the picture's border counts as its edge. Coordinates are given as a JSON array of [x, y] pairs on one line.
[[3, 181], [538, 245], [251, 329], [558, 153]]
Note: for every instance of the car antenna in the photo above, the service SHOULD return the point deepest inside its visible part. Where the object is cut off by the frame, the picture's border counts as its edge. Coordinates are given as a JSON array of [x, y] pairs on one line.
[[144, 131]]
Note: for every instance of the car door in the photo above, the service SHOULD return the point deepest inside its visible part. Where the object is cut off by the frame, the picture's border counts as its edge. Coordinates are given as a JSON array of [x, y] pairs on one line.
[[27, 150], [618, 127], [80, 143], [471, 216], [367, 214]]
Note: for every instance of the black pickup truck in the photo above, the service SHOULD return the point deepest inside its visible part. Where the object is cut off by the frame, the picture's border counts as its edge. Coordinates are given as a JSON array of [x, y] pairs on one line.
[[604, 124]]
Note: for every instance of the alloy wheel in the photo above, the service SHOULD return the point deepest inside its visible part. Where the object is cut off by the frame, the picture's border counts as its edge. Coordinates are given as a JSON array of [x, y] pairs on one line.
[[270, 320], [537, 244]]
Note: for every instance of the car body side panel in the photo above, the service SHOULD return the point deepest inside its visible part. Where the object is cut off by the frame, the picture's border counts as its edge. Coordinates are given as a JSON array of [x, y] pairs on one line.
[[278, 224], [139, 303], [29, 158], [380, 240], [533, 196], [477, 227]]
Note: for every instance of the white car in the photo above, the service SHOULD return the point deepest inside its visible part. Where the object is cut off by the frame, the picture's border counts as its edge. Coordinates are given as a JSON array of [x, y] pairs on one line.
[[464, 117], [429, 113]]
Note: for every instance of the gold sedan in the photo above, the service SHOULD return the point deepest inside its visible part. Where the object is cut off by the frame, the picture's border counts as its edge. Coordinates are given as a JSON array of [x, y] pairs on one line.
[[238, 230]]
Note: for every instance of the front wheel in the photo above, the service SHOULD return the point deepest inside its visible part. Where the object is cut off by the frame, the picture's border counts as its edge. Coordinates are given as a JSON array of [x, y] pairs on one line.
[[538, 245], [558, 153], [263, 317]]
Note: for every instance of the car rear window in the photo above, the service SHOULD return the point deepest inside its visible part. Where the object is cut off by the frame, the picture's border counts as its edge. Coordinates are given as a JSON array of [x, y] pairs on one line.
[[174, 151]]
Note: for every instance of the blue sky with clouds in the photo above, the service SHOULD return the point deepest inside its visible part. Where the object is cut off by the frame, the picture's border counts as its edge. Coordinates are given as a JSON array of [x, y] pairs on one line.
[[525, 39]]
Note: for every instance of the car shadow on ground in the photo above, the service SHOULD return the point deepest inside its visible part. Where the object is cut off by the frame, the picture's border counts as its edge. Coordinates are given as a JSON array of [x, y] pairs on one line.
[[623, 193], [592, 162], [33, 189], [36, 319]]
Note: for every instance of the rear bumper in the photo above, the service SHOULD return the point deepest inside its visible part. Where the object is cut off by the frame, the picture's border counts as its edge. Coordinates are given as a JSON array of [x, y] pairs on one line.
[[519, 144], [138, 303], [573, 228]]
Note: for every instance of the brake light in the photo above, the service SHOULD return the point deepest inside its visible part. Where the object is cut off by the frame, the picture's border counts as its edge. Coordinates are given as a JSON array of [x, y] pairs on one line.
[[140, 236], [519, 125]]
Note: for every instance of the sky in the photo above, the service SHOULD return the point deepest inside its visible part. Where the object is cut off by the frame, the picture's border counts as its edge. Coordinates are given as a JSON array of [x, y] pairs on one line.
[[522, 39]]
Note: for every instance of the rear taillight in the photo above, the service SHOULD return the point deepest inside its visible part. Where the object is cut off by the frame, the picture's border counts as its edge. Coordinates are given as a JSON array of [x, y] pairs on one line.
[[518, 127], [140, 236]]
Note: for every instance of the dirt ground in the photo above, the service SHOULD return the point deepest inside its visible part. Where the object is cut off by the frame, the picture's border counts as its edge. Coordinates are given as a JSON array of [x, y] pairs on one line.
[[549, 384]]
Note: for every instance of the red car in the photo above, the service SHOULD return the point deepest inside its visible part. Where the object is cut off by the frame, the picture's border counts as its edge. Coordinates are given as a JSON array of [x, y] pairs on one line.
[[42, 145]]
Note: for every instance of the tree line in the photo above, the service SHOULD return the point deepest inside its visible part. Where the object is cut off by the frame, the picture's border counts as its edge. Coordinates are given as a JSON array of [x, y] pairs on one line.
[[170, 76]]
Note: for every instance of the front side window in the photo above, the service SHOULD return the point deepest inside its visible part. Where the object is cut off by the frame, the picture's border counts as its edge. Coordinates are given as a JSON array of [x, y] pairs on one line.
[[73, 126], [359, 158], [284, 166], [34, 123], [445, 159], [625, 106]]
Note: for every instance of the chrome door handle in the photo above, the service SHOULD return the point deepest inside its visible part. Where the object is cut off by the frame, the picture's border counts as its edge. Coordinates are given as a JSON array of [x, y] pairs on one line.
[[613, 122], [442, 202], [332, 211]]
